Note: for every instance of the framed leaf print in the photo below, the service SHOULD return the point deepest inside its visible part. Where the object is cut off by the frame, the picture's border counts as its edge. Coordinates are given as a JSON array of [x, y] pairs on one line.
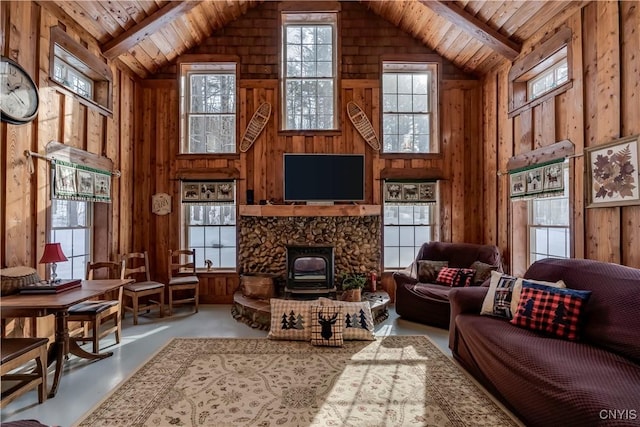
[[612, 173]]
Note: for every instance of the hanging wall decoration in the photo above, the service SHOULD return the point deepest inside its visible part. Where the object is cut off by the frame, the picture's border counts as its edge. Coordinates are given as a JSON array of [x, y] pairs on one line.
[[255, 126], [78, 182], [208, 191], [161, 204], [363, 125], [410, 192], [541, 180], [612, 173]]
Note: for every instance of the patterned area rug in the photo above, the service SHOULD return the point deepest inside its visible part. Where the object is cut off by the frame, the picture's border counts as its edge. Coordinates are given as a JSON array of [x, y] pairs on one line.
[[393, 381]]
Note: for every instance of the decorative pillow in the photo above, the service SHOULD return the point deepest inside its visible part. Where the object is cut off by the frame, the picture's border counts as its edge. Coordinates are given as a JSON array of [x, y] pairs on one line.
[[483, 271], [290, 320], [551, 310], [504, 293], [517, 290], [326, 326], [455, 277], [428, 270], [358, 320]]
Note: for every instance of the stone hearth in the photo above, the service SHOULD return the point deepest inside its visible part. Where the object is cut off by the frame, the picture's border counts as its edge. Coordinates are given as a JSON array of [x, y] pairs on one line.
[[263, 241]]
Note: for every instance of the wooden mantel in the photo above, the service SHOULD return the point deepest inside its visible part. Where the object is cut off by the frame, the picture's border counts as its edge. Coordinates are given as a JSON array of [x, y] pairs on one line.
[[309, 210]]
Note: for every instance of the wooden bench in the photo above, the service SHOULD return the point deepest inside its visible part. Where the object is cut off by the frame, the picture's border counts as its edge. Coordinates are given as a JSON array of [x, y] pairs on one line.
[[17, 352]]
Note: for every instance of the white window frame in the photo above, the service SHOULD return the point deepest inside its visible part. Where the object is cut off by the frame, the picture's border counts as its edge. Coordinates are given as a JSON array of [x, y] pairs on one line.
[[228, 143], [71, 77], [534, 252], [555, 75], [398, 135], [72, 66], [76, 265], [210, 246], [404, 237], [293, 116]]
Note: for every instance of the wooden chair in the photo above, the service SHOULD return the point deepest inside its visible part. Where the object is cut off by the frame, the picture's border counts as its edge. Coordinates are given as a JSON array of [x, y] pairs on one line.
[[95, 313], [136, 266], [182, 277], [17, 352]]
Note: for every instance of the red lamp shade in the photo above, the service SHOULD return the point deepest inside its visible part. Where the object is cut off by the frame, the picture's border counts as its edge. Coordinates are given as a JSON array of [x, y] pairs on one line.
[[52, 254]]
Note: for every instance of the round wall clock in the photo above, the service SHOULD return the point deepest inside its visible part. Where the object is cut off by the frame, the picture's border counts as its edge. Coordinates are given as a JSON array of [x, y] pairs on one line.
[[18, 93]]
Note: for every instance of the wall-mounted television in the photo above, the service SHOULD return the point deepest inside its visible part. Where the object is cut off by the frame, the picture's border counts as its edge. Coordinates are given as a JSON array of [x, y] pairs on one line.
[[323, 177]]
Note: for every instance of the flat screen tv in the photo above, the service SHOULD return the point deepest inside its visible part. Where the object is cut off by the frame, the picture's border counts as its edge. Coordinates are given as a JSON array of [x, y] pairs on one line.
[[323, 177]]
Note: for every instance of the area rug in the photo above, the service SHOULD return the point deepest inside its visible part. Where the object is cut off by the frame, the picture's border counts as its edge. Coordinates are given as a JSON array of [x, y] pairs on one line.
[[393, 381]]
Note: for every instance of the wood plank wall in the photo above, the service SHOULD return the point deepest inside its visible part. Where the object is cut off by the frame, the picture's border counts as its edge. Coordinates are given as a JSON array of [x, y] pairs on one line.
[[25, 199], [601, 106], [365, 39]]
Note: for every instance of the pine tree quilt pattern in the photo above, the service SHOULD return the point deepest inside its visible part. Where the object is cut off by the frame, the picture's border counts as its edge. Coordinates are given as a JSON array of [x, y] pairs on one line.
[[358, 320], [290, 320], [554, 311]]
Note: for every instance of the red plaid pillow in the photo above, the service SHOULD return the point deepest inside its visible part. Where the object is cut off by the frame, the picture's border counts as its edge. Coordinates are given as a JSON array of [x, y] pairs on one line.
[[556, 311], [455, 277]]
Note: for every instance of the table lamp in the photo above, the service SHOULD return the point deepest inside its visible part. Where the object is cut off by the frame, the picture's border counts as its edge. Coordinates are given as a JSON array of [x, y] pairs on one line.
[[52, 255]]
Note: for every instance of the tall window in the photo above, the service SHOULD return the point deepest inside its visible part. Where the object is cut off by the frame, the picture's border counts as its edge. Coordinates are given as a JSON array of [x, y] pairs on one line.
[[210, 222], [71, 223], [309, 71], [409, 221], [549, 232], [410, 102], [209, 108]]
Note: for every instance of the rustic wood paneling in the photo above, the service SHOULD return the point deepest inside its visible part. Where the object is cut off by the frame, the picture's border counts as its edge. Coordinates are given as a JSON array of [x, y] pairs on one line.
[[600, 106], [25, 198], [490, 183], [630, 117], [602, 33]]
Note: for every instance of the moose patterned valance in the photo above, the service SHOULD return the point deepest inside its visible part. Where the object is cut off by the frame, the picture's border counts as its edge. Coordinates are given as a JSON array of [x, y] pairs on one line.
[[73, 181], [539, 180], [208, 192], [410, 192]]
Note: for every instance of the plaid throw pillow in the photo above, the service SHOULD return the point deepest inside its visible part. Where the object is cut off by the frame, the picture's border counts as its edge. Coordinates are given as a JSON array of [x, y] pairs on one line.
[[504, 290], [326, 329], [290, 320], [555, 311], [455, 277]]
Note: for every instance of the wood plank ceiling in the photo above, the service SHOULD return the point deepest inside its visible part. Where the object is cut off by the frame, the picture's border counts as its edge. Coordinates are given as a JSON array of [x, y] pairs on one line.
[[146, 35]]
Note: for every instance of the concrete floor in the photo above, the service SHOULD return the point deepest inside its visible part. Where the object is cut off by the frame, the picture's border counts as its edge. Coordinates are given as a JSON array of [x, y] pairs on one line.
[[84, 384]]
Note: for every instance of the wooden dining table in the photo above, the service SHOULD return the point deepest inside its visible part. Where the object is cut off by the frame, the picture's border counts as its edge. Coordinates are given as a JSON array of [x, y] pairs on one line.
[[38, 305]]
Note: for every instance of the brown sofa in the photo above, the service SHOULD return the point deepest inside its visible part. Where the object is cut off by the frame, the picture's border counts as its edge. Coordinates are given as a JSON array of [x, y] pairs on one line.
[[549, 381], [428, 303]]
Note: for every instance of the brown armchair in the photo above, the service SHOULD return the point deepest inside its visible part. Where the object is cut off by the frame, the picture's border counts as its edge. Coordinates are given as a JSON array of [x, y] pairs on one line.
[[428, 302]]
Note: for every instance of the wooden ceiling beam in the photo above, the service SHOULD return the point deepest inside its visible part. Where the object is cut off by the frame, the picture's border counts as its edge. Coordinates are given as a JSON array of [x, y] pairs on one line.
[[130, 38], [478, 29]]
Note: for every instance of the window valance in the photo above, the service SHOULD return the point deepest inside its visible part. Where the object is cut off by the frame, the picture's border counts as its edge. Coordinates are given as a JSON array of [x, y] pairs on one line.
[[539, 180], [72, 181], [410, 192], [208, 192]]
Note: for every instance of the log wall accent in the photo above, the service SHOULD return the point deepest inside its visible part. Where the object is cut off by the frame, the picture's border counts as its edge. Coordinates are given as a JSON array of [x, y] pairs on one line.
[[601, 106]]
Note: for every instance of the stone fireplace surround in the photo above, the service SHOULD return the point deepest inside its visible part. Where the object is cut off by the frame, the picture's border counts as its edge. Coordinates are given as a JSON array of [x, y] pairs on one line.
[[263, 241]]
